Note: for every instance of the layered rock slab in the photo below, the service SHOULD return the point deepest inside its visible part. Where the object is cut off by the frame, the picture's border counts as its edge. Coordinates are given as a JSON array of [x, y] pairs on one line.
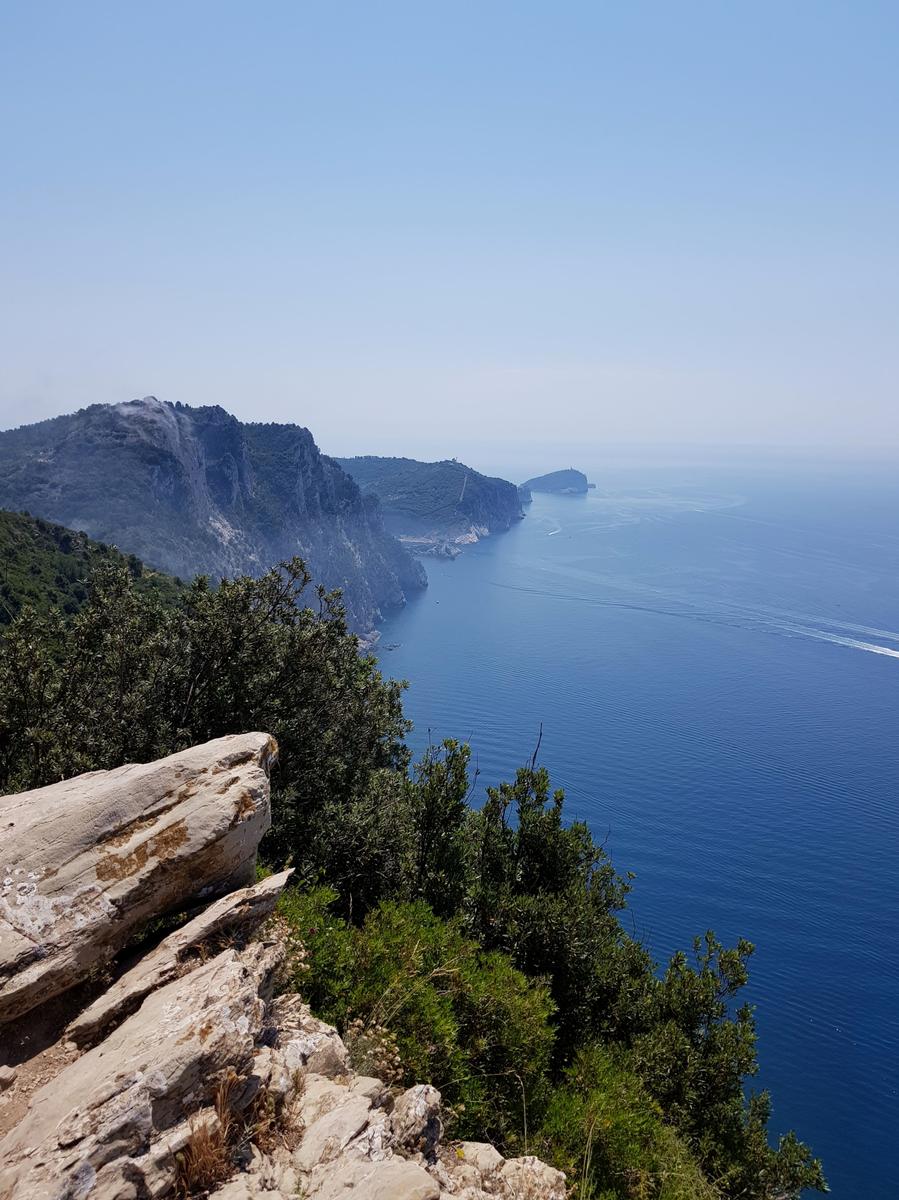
[[108, 1125], [232, 914], [86, 863]]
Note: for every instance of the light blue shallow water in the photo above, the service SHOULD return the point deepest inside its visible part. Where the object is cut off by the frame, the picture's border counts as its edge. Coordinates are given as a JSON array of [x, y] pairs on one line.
[[714, 658]]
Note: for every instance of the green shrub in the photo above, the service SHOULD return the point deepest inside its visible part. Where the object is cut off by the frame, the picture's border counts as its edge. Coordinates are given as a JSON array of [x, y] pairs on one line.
[[548, 896], [461, 1018], [609, 1136]]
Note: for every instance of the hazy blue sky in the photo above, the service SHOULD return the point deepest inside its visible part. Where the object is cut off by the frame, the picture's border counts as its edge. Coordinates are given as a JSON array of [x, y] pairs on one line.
[[427, 227]]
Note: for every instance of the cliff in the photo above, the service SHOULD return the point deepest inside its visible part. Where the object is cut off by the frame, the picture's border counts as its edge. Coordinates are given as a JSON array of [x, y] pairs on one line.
[[188, 1067], [194, 490], [436, 507], [565, 482]]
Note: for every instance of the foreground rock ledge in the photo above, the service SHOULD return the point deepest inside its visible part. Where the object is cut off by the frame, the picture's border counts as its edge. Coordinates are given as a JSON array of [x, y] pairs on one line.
[[86, 863], [108, 1125], [191, 1041]]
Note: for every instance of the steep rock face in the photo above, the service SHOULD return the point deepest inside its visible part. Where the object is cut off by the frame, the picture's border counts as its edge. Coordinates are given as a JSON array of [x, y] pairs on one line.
[[193, 490], [191, 1057], [436, 507]]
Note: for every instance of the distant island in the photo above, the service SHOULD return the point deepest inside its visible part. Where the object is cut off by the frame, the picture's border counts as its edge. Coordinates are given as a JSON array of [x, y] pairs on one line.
[[568, 482], [435, 508]]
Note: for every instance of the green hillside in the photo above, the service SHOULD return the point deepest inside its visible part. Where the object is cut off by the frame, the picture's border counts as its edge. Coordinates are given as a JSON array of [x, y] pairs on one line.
[[441, 497], [46, 566]]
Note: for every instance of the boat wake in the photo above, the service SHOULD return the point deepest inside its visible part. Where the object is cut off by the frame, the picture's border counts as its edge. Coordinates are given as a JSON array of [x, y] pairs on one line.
[[765, 620], [836, 639]]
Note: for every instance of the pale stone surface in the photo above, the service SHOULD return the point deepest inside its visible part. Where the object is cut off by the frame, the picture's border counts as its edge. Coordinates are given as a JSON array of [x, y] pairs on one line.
[[376, 1141], [374, 1089], [480, 1155], [528, 1176], [96, 1125], [86, 862], [416, 1118], [245, 907], [331, 1130], [246, 1188], [308, 1043], [395, 1179]]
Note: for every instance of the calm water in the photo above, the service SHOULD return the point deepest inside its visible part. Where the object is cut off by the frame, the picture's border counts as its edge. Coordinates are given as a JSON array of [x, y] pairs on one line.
[[714, 657]]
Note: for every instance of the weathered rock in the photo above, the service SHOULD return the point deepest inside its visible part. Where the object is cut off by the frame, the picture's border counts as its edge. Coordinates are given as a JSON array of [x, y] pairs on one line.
[[244, 1188], [480, 1155], [374, 1089], [305, 1043], [416, 1118], [86, 862], [528, 1176], [242, 909], [94, 859], [107, 1126], [393, 1179], [339, 1116]]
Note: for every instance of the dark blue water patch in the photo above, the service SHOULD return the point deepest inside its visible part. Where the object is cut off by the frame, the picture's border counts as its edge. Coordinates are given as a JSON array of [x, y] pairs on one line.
[[715, 665]]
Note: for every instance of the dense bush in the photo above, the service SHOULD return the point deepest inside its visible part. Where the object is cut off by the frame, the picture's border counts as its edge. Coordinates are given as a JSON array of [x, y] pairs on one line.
[[610, 1137], [131, 677], [456, 1015], [480, 950]]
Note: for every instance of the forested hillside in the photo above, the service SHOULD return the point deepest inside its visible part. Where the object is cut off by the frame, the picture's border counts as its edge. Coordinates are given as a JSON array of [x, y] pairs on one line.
[[47, 566], [430, 503]]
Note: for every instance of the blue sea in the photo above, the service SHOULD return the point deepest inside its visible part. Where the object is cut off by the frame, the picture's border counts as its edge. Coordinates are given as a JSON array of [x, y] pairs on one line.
[[712, 652]]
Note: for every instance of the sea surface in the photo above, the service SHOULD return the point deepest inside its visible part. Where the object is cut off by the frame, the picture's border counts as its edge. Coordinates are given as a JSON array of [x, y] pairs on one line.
[[713, 655]]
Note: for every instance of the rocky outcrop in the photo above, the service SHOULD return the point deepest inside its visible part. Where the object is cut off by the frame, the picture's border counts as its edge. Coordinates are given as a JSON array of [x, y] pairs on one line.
[[194, 490], [248, 906], [188, 1074], [86, 863], [111, 1122]]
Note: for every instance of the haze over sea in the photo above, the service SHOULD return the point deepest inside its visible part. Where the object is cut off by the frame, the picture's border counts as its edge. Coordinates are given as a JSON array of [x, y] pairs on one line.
[[713, 653]]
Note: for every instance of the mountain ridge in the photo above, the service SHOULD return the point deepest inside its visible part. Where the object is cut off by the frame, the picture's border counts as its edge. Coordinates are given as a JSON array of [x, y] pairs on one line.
[[193, 490]]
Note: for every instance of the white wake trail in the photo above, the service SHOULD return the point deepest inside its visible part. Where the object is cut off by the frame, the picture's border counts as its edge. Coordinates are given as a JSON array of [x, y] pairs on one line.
[[835, 638]]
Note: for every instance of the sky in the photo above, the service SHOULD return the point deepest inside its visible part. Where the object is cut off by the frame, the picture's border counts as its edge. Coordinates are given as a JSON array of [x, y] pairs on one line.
[[458, 228]]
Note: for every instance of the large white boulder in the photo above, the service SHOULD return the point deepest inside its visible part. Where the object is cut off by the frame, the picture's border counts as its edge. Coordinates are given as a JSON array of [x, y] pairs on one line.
[[85, 863]]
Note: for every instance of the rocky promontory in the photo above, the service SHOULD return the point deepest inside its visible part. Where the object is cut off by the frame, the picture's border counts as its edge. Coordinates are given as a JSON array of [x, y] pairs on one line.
[[144, 1055], [436, 508]]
